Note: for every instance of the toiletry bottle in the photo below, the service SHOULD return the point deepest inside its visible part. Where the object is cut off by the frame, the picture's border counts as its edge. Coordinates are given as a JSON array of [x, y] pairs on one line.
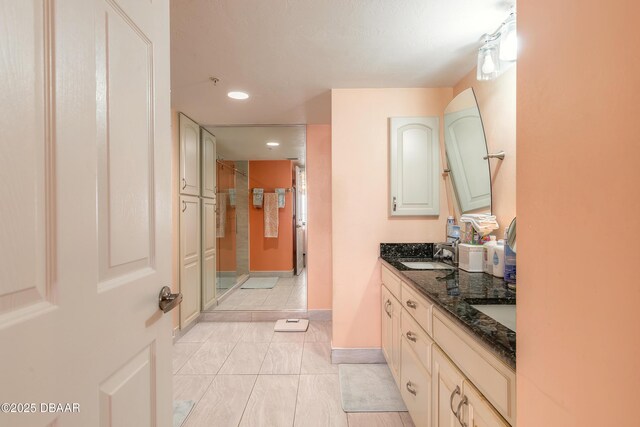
[[509, 263], [489, 249], [498, 259], [450, 223]]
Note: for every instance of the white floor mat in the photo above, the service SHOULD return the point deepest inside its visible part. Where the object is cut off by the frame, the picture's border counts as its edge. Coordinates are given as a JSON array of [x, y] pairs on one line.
[[260, 283]]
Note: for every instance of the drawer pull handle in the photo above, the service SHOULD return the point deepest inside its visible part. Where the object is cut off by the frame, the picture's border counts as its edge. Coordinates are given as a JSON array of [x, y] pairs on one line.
[[411, 336], [387, 304], [411, 304], [453, 394], [184, 183], [411, 389], [463, 401]]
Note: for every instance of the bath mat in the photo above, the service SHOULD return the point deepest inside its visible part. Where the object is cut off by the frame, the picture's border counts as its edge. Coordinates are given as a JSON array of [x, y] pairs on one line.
[[260, 283], [181, 409], [369, 388]]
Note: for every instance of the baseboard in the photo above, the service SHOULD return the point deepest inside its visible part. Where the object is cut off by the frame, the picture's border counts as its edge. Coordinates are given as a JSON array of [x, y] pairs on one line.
[[288, 273], [320, 314], [357, 355], [179, 333]]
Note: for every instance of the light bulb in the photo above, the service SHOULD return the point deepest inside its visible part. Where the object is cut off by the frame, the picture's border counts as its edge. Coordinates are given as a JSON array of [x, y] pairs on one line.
[[488, 66]]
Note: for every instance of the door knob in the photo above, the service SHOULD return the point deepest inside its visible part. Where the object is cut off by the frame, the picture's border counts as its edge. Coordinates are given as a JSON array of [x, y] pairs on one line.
[[167, 300]]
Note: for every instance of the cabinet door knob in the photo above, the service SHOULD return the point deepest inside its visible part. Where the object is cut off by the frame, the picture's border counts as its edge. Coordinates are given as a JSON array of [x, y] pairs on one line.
[[411, 304], [411, 389], [411, 336]]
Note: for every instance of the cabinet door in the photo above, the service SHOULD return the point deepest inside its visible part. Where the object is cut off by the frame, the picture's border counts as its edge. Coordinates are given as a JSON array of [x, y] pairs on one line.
[[446, 383], [208, 164], [189, 156], [190, 259], [391, 332], [415, 386], [208, 253], [478, 412], [415, 166]]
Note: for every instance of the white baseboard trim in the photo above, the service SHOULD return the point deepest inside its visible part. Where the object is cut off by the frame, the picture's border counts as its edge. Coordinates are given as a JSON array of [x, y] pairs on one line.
[[179, 333], [357, 355], [288, 273]]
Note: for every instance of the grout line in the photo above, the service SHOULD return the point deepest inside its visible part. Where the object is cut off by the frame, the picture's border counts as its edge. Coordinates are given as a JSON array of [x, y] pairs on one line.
[[295, 406], [248, 399], [196, 403]]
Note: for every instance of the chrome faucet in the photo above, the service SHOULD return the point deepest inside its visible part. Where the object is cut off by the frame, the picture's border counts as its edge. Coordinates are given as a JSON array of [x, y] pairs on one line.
[[451, 247]]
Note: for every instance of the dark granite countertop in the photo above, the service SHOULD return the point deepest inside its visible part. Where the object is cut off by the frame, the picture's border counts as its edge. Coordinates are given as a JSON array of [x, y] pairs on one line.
[[453, 291]]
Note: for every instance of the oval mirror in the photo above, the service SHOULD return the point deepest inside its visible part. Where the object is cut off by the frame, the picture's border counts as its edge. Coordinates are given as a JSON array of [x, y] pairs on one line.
[[466, 150]]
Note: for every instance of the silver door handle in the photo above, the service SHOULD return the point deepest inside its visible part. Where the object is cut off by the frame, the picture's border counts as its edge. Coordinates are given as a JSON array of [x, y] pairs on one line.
[[167, 300], [411, 336], [411, 304], [411, 389], [463, 401], [453, 393], [386, 307]]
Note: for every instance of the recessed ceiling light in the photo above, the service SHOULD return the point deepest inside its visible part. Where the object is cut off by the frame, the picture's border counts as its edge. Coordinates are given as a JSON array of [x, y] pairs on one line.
[[273, 144], [238, 95]]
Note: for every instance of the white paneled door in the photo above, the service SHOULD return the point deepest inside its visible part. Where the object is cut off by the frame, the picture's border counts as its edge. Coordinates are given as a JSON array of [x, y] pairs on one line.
[[85, 217]]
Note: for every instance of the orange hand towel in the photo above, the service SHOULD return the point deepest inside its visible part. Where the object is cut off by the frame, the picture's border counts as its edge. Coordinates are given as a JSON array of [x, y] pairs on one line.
[[271, 215]]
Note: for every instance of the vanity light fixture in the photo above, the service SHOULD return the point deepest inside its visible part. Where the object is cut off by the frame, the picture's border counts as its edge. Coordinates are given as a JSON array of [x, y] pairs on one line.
[[497, 49], [272, 144], [238, 95], [509, 38]]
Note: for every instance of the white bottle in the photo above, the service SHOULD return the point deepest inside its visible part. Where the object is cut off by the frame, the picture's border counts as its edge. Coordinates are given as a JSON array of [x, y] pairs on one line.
[[498, 259], [489, 249]]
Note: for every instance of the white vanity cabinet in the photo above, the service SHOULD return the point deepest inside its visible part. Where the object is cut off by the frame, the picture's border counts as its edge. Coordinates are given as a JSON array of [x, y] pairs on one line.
[[189, 156], [445, 376], [391, 337], [414, 166]]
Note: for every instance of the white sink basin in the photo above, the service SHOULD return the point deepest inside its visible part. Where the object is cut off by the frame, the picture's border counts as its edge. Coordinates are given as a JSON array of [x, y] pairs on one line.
[[427, 265], [502, 313]]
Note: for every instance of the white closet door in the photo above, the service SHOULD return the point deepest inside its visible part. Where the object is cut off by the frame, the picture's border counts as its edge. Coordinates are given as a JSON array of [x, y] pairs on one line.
[[190, 259], [415, 166], [208, 164], [189, 156], [85, 229], [208, 253]]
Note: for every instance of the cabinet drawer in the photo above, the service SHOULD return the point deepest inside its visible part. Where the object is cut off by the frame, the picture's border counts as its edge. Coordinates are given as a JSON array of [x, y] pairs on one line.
[[415, 386], [417, 339], [391, 281], [494, 379], [417, 306]]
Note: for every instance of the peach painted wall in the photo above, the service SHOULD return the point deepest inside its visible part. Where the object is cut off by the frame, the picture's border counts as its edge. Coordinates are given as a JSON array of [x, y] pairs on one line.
[[226, 244], [578, 182], [497, 103], [318, 167], [360, 195], [267, 254]]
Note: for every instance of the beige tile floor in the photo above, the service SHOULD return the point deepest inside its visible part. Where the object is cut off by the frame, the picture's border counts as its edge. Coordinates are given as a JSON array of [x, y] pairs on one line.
[[244, 374], [289, 293]]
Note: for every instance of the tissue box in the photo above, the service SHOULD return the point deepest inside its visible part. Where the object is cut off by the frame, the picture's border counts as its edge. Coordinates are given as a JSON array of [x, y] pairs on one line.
[[471, 258]]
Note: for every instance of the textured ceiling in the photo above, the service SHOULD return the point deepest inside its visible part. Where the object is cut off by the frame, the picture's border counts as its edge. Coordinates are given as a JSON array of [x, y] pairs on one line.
[[288, 54], [249, 142]]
